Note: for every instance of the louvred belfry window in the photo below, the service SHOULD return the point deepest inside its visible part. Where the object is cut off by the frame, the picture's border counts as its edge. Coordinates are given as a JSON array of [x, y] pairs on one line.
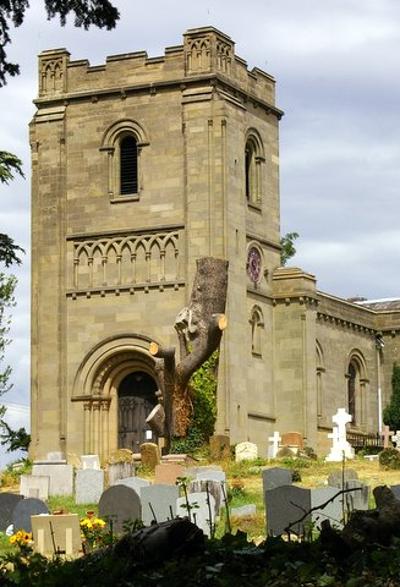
[[128, 165]]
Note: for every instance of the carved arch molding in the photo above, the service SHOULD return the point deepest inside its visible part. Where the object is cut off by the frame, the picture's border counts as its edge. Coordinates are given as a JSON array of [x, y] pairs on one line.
[[96, 387]]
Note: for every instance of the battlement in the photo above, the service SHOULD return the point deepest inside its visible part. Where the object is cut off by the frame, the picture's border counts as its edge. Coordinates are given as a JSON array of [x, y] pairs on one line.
[[206, 52]]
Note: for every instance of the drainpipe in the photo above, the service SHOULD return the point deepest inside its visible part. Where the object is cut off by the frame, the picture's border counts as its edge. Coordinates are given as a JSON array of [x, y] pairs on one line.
[[379, 344]]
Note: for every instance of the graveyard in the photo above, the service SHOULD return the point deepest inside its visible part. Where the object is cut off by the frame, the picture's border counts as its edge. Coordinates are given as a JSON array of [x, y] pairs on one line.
[[180, 517]]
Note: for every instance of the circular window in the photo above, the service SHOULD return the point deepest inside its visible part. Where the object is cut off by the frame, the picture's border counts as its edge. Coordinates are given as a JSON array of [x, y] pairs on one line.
[[254, 264]]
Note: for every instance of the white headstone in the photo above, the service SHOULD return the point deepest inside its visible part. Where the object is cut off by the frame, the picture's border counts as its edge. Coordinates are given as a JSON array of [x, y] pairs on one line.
[[340, 446], [246, 451], [90, 462], [274, 445]]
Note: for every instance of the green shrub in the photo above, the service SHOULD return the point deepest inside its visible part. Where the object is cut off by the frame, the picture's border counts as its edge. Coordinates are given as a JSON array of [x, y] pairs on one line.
[[389, 458], [391, 414]]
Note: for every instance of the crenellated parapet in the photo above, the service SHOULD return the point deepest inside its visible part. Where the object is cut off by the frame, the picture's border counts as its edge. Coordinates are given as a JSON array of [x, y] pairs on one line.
[[205, 53]]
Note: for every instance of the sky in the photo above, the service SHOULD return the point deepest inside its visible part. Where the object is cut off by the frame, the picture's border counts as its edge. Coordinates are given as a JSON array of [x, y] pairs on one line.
[[336, 63]]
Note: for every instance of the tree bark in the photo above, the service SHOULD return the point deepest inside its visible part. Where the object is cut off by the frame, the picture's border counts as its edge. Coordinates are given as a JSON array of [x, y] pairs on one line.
[[199, 327]]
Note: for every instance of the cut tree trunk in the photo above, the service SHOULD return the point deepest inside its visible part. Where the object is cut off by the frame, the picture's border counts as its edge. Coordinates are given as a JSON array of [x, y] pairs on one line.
[[199, 327]]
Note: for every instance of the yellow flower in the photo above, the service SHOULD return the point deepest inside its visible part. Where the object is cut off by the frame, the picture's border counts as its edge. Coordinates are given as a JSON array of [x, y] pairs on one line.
[[13, 539], [99, 522]]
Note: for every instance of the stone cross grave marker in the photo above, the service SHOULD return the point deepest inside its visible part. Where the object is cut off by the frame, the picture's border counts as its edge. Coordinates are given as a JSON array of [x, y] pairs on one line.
[[21, 518], [89, 485], [274, 445], [199, 510], [59, 533], [159, 502], [396, 438], [340, 445], [120, 504]]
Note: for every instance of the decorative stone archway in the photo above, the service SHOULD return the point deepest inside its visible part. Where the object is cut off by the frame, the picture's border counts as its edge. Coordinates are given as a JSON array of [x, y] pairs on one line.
[[96, 387]]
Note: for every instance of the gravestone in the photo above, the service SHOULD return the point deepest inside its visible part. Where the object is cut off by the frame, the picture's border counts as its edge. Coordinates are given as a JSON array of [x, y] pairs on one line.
[[212, 475], [194, 471], [158, 501], [59, 533], [335, 477], [340, 446], [135, 483], [356, 500], [273, 447], [201, 513], [167, 473], [387, 433], [246, 451], [284, 506], [119, 504], [90, 462], [275, 477], [8, 502], [333, 511], [213, 487], [89, 485], [34, 486], [396, 491], [293, 440], [150, 455], [60, 474], [396, 439], [220, 447], [122, 470], [25, 508], [244, 511]]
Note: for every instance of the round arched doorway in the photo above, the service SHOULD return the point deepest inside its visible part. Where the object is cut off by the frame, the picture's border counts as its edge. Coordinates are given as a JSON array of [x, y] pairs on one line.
[[136, 398]]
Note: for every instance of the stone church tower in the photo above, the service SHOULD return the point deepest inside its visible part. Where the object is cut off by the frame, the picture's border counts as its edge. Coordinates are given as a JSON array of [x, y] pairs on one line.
[[141, 166]]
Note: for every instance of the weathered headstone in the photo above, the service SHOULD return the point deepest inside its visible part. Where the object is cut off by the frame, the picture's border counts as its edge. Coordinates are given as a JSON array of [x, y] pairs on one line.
[[60, 474], [201, 513], [293, 440], [273, 447], [213, 487], [244, 511], [21, 518], [34, 486], [192, 472], [286, 505], [8, 502], [167, 474], [276, 477], [396, 438], [333, 511], [89, 485], [116, 471], [52, 534], [159, 502], [135, 483], [120, 504], [90, 462], [150, 455], [358, 499], [220, 448], [335, 477], [340, 446], [246, 451]]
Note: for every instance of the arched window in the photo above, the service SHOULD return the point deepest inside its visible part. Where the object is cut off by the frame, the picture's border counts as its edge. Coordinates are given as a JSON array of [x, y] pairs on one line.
[[319, 384], [257, 327], [128, 165], [357, 383], [123, 143], [351, 391], [253, 157]]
